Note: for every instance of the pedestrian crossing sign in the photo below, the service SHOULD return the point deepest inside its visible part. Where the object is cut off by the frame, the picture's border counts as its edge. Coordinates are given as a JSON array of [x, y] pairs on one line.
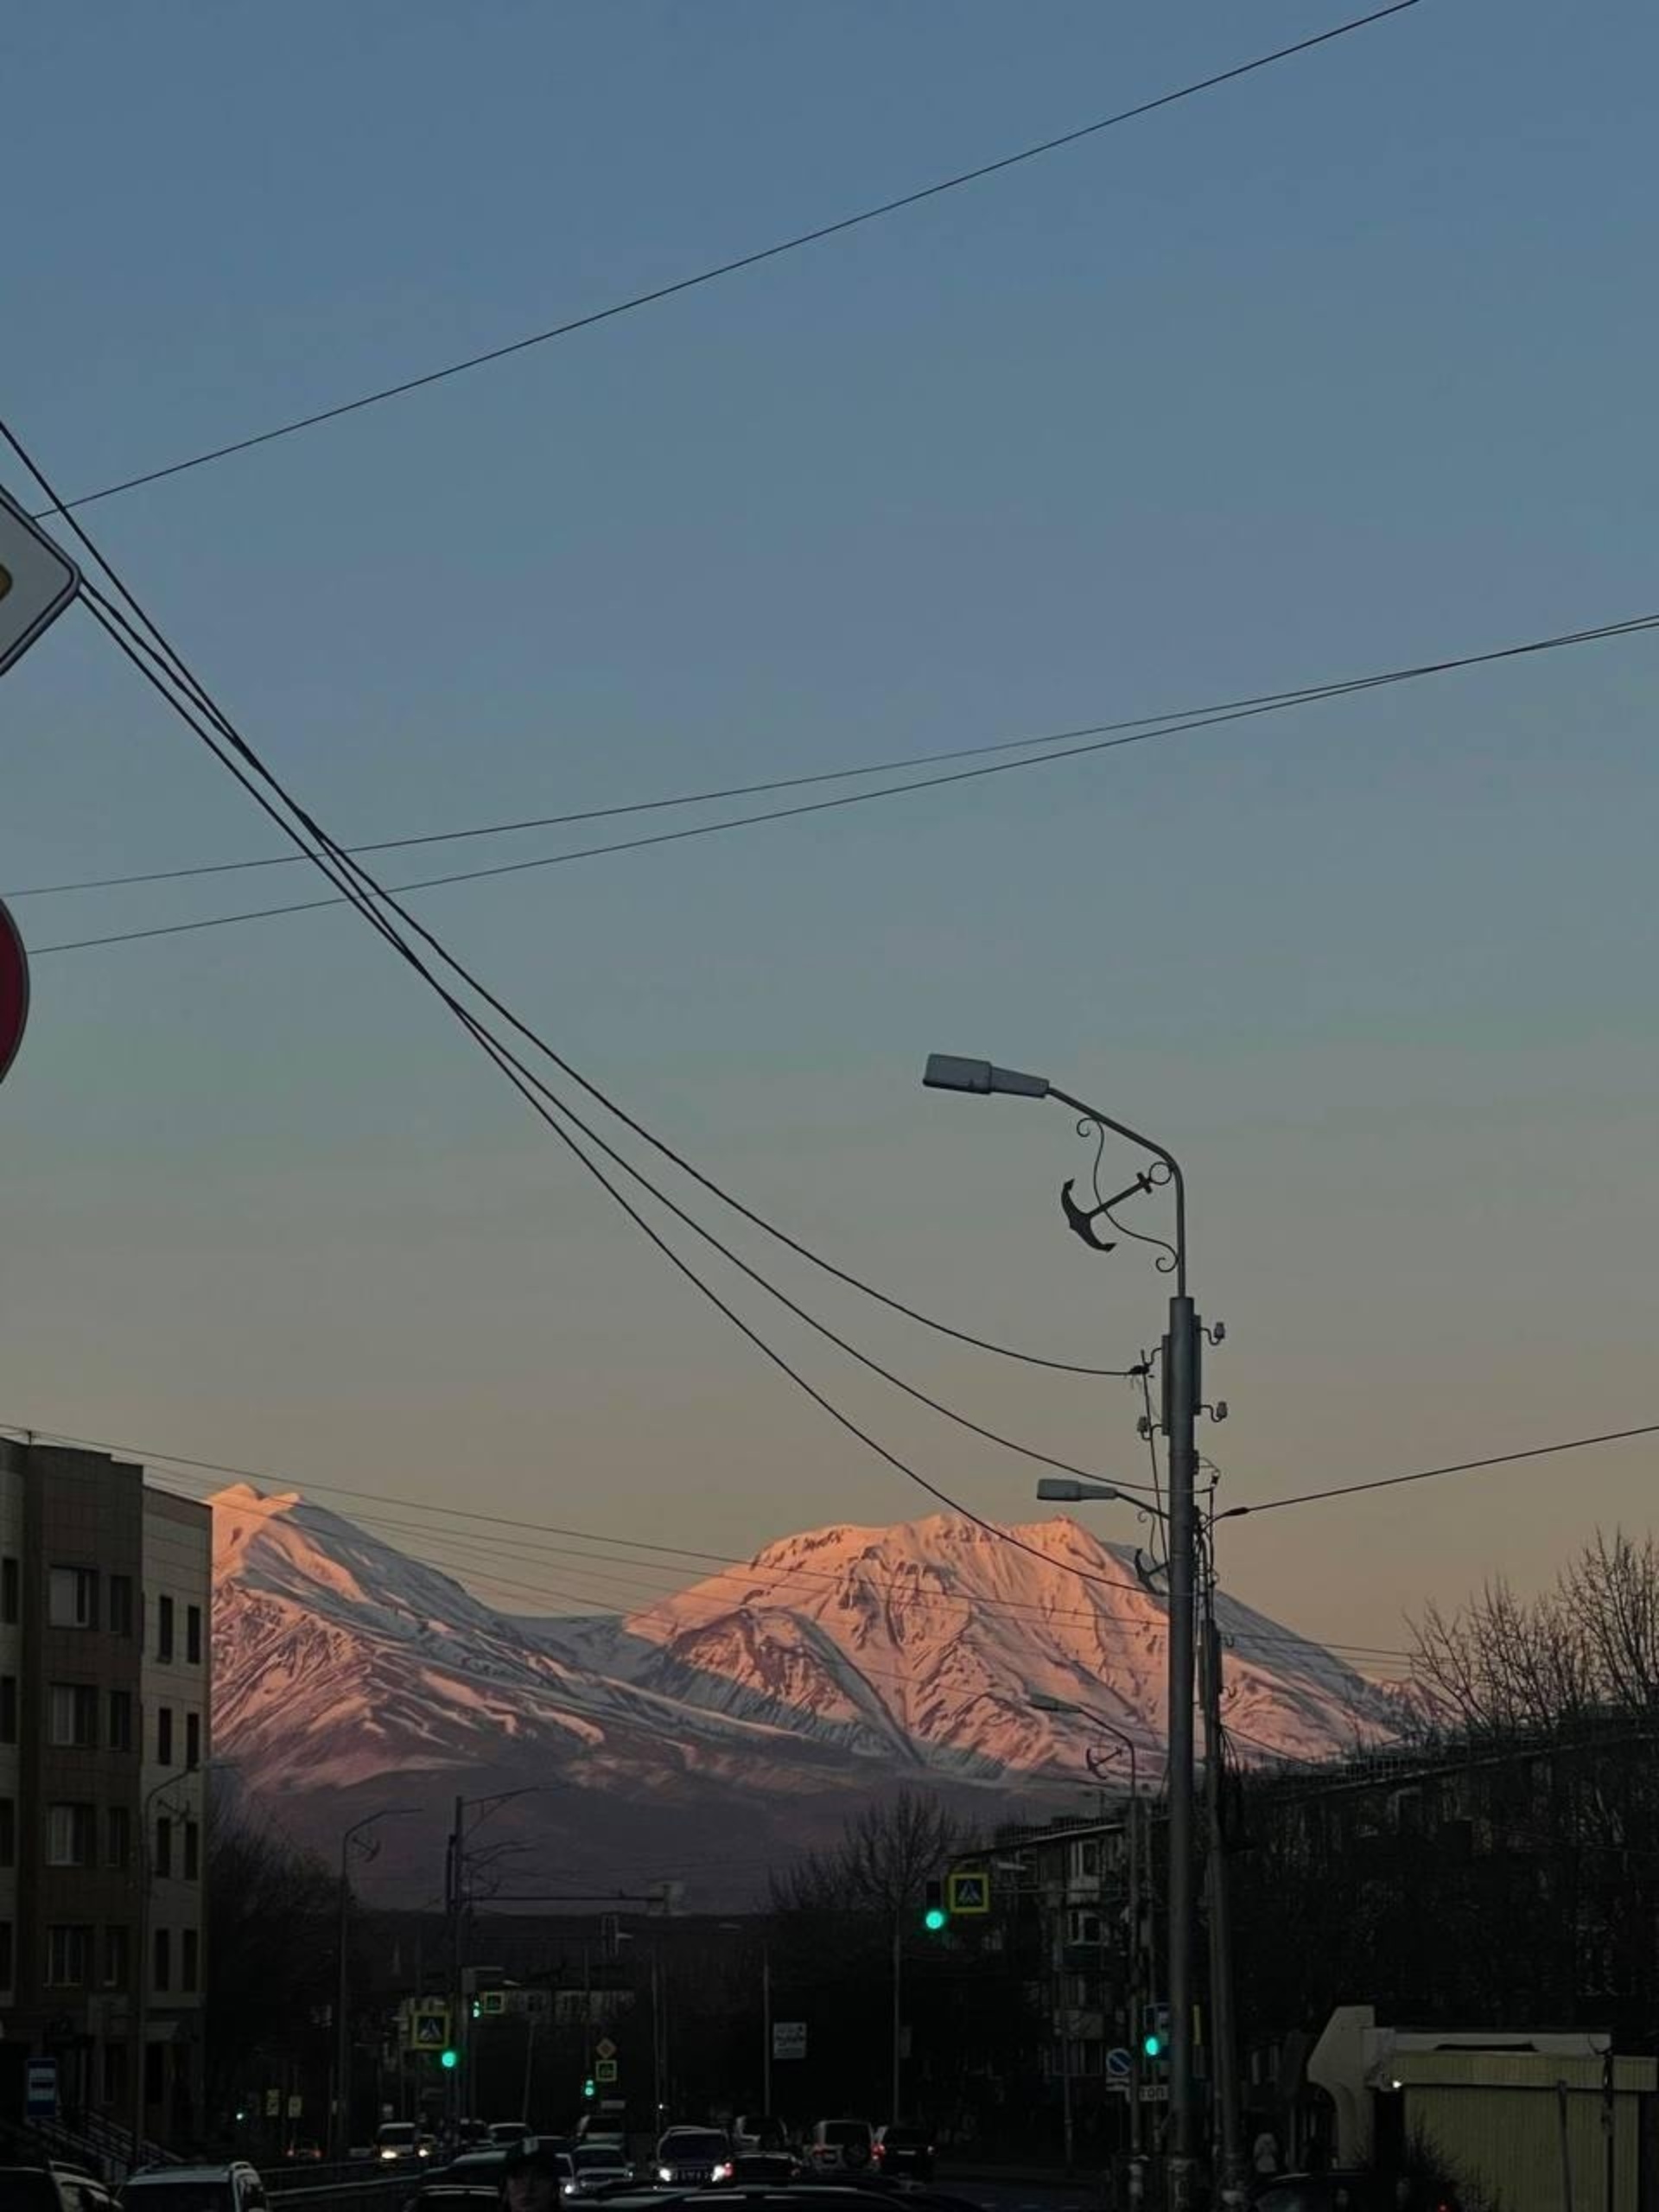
[[430, 2030], [968, 1891]]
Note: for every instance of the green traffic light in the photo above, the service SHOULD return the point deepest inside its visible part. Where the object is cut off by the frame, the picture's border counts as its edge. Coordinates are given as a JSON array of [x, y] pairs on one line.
[[588, 2086], [934, 1918], [1151, 2043], [448, 2059]]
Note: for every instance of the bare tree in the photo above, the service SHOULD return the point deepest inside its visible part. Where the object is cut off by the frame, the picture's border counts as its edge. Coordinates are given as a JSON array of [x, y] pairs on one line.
[[885, 1859], [1590, 1644]]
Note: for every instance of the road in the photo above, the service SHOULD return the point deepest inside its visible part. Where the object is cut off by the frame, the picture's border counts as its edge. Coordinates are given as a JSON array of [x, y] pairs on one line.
[[1079, 2194]]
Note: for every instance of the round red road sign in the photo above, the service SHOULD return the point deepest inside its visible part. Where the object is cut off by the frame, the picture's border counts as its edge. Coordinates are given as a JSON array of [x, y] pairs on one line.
[[14, 990]]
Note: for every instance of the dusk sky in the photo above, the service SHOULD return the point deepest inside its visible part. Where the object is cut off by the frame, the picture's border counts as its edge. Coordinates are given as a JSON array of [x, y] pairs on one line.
[[1347, 365]]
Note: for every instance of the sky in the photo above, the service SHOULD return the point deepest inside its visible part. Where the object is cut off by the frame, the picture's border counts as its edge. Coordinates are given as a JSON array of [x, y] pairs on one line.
[[1344, 365]]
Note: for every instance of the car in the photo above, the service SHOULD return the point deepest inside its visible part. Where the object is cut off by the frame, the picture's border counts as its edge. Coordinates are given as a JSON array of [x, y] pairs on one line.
[[588, 2168], [399, 2142], [839, 2146], [33, 2189], [759, 2131], [907, 2150], [82, 2193], [747, 2166], [508, 2132], [233, 2186], [693, 2156], [1349, 2189]]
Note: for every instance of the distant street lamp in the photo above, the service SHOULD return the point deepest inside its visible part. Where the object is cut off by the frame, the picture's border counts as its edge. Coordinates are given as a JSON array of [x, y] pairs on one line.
[[1182, 1393], [342, 1994]]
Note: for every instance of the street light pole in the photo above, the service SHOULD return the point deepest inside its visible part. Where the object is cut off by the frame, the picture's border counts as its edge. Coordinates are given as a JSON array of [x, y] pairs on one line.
[[140, 1966], [342, 1992], [1181, 1389], [1137, 1991]]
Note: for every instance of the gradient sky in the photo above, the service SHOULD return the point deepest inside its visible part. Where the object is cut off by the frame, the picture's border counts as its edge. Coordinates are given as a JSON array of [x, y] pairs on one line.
[[1347, 365]]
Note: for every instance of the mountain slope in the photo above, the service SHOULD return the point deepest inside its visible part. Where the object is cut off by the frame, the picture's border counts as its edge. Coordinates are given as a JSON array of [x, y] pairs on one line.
[[832, 1664]]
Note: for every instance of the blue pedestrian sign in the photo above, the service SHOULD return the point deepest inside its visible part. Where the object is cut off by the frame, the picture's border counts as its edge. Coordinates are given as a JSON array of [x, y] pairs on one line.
[[40, 2089]]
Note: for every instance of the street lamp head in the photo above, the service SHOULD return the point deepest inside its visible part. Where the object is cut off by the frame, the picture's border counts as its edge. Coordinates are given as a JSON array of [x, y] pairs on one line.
[[945, 1072], [1062, 1489]]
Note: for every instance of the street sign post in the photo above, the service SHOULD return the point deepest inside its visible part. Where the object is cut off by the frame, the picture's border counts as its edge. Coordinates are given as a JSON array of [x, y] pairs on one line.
[[14, 990], [1118, 2065], [430, 2028], [967, 1893], [604, 2071], [789, 2038], [40, 2089], [604, 2047], [36, 582]]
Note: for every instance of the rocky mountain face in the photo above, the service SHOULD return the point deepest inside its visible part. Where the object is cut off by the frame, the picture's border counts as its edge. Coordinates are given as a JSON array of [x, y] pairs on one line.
[[728, 1725]]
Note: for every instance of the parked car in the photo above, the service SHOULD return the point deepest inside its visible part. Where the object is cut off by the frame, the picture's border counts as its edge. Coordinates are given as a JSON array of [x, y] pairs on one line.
[[82, 2192], [839, 2146], [303, 2151], [777, 2166], [231, 2187], [692, 2156], [906, 2150]]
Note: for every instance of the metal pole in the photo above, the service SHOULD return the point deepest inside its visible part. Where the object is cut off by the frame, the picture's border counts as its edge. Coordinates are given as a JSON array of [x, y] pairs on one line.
[[1181, 1391], [1137, 1986], [766, 2027], [342, 1998], [897, 2009], [141, 1990], [1223, 2024], [454, 1883]]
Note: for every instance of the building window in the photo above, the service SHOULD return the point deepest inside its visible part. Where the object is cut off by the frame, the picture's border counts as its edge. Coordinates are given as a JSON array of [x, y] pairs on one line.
[[8, 1708], [71, 1597], [8, 1831], [190, 1962], [164, 1735], [192, 1739], [154, 2073], [115, 2075], [163, 1973], [163, 1865], [5, 1955], [11, 1594], [164, 1628], [120, 1721], [192, 1636], [117, 1834], [120, 1604], [1083, 1925], [117, 1955], [72, 1717], [1086, 1861], [67, 1952], [192, 1851], [71, 1835]]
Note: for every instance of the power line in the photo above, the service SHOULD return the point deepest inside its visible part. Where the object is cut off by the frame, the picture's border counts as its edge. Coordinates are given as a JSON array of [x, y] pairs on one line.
[[134, 647], [1244, 711], [1431, 1474], [667, 1559], [731, 268], [244, 763]]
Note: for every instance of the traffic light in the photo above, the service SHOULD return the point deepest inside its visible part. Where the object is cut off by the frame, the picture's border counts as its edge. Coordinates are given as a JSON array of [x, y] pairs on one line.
[[935, 1917], [478, 2008], [1154, 2032], [1154, 2043], [590, 2087], [449, 2060]]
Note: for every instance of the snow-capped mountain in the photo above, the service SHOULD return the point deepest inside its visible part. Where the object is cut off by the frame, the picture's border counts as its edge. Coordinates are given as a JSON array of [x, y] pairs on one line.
[[762, 1702]]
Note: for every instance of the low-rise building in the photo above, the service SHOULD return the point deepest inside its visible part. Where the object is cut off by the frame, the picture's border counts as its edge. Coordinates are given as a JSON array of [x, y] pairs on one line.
[[106, 1593]]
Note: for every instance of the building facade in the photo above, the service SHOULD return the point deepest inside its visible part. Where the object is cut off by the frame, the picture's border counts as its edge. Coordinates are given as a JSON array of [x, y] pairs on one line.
[[105, 1594]]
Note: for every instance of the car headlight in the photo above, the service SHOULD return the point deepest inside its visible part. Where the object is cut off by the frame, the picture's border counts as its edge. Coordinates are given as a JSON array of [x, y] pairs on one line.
[[388, 2153], [664, 2173]]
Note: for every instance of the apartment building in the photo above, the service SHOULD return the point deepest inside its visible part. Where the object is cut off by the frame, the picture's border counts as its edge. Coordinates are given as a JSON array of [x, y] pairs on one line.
[[106, 1588]]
